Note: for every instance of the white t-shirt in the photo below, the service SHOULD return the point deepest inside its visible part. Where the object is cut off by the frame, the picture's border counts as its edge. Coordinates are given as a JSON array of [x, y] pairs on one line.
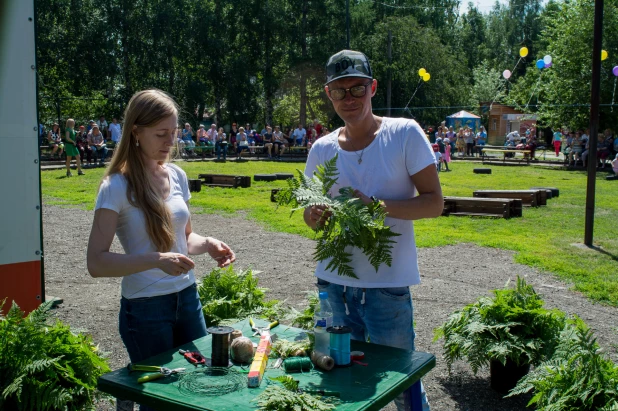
[[115, 130], [131, 232], [299, 134], [399, 151]]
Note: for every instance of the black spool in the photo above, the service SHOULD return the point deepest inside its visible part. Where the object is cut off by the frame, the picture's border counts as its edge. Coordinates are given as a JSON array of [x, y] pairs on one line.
[[220, 346]]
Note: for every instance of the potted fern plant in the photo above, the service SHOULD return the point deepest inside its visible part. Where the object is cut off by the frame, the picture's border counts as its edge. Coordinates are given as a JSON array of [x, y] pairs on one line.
[[507, 332]]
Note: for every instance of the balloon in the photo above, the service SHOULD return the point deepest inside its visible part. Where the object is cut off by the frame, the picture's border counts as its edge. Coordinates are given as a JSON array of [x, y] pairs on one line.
[[523, 52], [421, 72], [615, 71], [548, 65], [547, 59], [506, 74], [604, 55], [540, 64], [426, 76]]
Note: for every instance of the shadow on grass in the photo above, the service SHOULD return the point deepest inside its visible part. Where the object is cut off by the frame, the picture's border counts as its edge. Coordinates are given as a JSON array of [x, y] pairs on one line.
[[471, 392]]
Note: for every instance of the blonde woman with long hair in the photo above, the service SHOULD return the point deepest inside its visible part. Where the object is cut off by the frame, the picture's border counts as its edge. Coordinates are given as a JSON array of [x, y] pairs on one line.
[[143, 199]]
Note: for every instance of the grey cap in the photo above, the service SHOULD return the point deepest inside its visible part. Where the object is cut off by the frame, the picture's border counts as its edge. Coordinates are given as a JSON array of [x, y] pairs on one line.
[[347, 63]]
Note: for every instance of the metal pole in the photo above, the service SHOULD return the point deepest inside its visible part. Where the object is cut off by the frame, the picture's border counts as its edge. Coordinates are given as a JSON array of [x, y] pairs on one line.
[[389, 74], [347, 23], [594, 120]]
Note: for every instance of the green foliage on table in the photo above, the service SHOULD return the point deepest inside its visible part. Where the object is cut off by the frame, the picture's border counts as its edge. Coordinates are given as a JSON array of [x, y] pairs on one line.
[[278, 398], [304, 319], [351, 223], [46, 366], [287, 381], [284, 348], [511, 325], [577, 377], [228, 296]]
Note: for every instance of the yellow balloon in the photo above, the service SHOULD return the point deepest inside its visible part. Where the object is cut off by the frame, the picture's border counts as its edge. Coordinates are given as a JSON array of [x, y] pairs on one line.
[[421, 72], [523, 52], [604, 55], [426, 76]]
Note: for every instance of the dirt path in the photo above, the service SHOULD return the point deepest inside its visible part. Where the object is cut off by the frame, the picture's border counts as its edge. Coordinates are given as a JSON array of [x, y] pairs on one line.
[[451, 277]]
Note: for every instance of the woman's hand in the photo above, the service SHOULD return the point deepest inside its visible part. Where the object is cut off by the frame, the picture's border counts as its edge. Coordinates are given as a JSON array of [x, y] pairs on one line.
[[220, 252], [175, 264]]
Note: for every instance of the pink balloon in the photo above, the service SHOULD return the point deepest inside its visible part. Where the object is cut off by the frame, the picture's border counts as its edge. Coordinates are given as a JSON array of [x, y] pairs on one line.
[[506, 74], [615, 71]]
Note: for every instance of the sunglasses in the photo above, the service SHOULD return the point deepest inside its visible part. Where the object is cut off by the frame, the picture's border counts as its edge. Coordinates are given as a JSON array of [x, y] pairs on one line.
[[356, 91]]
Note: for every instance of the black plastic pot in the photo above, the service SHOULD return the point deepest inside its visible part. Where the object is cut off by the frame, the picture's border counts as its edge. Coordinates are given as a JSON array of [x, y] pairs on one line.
[[505, 377]]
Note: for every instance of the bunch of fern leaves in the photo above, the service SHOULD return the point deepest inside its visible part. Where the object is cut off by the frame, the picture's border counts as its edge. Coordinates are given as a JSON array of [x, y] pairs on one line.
[[289, 398], [46, 366], [351, 223], [577, 377]]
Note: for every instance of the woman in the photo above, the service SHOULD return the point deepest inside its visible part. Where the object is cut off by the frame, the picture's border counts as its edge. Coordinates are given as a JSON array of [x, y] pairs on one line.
[[221, 144], [187, 138], [460, 143], [557, 141], [269, 140], [243, 142], [55, 140], [143, 200], [70, 144], [469, 140]]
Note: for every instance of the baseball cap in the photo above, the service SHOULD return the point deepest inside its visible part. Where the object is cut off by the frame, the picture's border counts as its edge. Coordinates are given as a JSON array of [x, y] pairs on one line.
[[347, 63]]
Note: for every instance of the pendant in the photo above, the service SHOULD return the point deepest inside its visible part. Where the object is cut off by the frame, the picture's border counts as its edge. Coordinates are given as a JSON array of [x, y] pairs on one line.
[[360, 160]]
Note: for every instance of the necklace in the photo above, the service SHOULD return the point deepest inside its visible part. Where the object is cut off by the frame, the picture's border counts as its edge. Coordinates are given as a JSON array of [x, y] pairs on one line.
[[360, 157]]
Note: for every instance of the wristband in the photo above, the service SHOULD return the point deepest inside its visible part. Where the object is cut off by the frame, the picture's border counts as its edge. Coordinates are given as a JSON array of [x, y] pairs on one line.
[[374, 198]]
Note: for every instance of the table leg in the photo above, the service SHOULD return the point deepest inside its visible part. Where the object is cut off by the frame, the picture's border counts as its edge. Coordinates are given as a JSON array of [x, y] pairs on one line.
[[412, 398]]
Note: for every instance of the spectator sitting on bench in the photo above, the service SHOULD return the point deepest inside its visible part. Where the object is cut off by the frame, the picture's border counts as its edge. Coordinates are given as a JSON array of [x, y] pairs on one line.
[[299, 136], [221, 144], [530, 144], [55, 140], [576, 149], [97, 143], [233, 134], [243, 142], [187, 138], [279, 142], [269, 140], [83, 147], [615, 165], [201, 135]]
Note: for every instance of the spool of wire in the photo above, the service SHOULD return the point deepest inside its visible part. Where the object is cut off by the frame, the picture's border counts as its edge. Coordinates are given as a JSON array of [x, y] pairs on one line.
[[220, 346], [211, 381], [340, 345]]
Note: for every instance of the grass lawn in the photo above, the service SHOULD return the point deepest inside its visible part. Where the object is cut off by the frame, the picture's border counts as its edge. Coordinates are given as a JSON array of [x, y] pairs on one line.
[[542, 238]]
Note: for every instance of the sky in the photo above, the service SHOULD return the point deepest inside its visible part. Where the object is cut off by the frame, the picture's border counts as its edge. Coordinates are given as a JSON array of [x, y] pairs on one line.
[[484, 6]]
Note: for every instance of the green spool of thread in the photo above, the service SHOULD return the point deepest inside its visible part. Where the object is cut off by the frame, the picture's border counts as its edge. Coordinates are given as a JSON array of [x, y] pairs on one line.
[[297, 364]]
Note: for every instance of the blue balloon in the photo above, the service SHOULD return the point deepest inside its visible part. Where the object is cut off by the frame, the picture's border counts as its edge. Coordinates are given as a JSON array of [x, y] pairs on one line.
[[540, 64]]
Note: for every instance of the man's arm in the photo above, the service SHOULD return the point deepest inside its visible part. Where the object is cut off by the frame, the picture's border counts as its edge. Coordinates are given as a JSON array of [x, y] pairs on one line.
[[429, 202]]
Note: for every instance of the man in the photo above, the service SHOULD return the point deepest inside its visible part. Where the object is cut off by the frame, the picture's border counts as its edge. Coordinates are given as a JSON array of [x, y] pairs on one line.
[[115, 131], [103, 127], [481, 140], [211, 134], [299, 135], [387, 159]]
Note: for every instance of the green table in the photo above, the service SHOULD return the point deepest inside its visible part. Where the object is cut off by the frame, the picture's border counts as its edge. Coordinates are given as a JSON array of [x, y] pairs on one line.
[[388, 373]]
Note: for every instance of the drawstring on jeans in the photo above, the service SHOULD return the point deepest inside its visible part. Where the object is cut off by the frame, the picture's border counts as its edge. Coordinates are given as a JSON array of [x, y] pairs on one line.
[[345, 303], [363, 299]]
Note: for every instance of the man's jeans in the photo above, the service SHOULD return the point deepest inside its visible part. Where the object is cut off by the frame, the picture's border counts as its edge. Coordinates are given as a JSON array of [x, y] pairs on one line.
[[149, 326], [383, 315], [99, 152]]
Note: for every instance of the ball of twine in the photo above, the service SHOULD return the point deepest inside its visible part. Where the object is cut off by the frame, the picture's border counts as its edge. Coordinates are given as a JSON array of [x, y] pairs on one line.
[[322, 361], [241, 350], [235, 334]]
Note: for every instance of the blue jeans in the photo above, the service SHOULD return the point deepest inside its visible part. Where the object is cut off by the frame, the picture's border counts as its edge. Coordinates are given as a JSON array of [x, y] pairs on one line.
[[219, 148], [99, 152], [385, 315], [152, 325]]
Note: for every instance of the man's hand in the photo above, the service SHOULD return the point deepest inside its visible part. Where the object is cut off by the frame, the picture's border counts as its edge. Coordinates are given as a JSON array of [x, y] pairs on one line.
[[315, 216]]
